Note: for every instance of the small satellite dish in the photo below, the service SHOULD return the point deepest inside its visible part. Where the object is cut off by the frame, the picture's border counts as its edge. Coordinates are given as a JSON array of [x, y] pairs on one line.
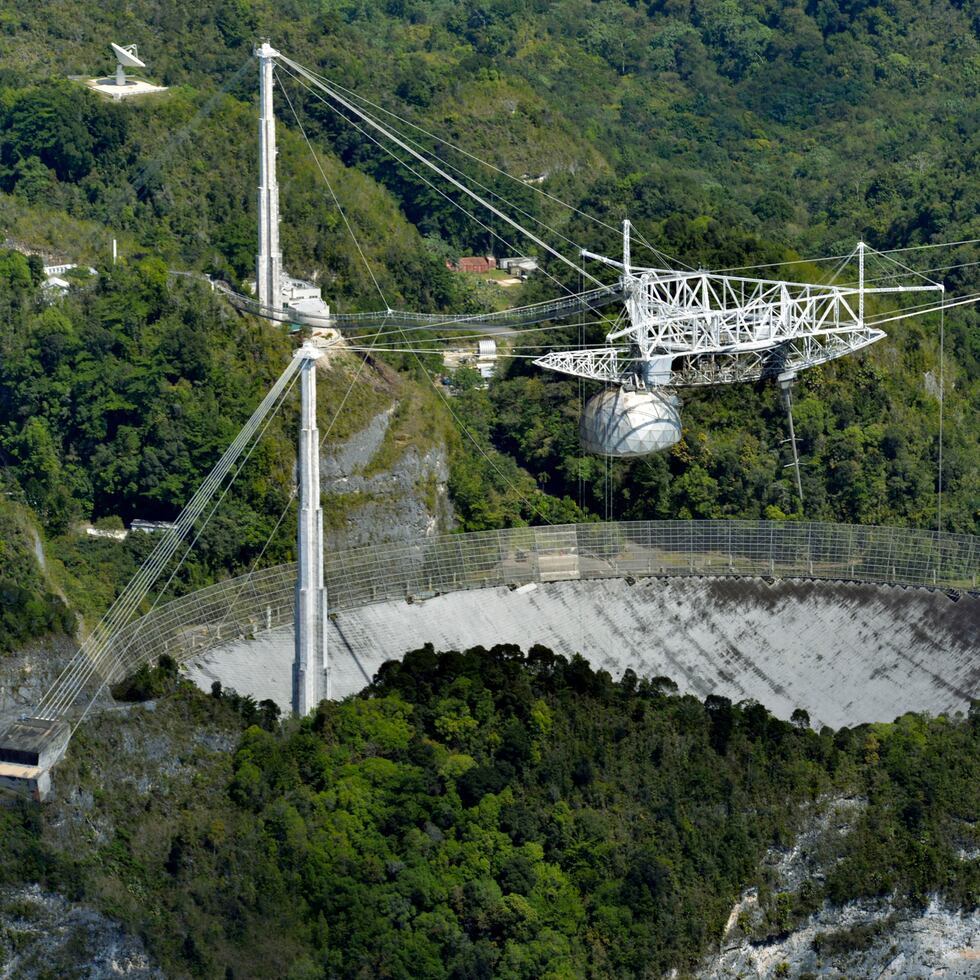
[[127, 56]]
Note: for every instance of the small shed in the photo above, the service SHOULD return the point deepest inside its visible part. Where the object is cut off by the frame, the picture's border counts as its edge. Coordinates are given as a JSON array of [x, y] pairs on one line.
[[56, 286], [476, 263]]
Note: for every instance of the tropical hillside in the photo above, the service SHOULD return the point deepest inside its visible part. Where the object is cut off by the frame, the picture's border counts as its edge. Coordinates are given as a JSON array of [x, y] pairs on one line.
[[488, 813], [492, 813]]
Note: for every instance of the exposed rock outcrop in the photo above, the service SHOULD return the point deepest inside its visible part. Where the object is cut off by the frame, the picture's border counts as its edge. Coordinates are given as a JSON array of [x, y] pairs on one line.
[[45, 935], [26, 674], [868, 938], [862, 939], [402, 501]]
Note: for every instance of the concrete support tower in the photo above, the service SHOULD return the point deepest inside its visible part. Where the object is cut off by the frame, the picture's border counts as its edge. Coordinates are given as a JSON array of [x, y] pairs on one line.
[[268, 271], [311, 679]]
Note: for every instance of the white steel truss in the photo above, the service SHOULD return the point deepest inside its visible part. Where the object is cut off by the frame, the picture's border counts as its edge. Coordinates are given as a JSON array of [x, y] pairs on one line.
[[620, 365], [706, 328]]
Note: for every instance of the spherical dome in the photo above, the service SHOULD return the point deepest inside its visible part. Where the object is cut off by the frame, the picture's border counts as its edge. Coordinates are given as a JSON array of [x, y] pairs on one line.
[[617, 422]]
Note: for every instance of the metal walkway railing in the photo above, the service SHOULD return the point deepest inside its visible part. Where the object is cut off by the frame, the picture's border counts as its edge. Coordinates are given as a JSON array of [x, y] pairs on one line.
[[501, 320]]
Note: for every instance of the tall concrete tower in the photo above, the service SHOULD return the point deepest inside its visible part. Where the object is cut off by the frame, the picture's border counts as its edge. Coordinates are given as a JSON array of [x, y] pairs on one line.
[[268, 266], [311, 679]]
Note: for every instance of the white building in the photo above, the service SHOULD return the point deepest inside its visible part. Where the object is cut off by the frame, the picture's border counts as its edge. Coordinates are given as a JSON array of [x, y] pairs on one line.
[[55, 286], [486, 358], [519, 265], [114, 533], [299, 290], [60, 270], [303, 297], [151, 527], [300, 296]]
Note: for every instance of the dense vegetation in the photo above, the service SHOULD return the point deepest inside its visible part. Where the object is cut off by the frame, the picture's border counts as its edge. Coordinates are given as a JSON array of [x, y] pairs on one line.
[[867, 432], [28, 605], [815, 120], [488, 813], [115, 402], [730, 135]]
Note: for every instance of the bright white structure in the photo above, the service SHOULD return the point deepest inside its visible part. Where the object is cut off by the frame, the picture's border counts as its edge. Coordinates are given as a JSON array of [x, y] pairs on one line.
[[120, 86], [680, 327], [126, 57], [274, 289], [268, 272], [849, 654], [55, 286], [699, 328], [58, 270], [486, 358], [311, 682], [311, 679], [623, 422], [303, 297]]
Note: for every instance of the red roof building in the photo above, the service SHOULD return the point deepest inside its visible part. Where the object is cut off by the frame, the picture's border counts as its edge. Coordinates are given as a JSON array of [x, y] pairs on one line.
[[475, 263]]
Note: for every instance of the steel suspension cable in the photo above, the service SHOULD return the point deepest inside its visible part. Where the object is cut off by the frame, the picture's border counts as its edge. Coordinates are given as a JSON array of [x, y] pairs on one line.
[[97, 661], [326, 180], [938, 268], [939, 494], [472, 156], [57, 699], [292, 494], [374, 124], [964, 301], [472, 217], [116, 653], [104, 661], [488, 190], [433, 187]]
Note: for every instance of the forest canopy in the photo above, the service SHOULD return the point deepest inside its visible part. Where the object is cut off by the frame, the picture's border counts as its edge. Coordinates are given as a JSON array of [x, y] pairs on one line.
[[498, 813]]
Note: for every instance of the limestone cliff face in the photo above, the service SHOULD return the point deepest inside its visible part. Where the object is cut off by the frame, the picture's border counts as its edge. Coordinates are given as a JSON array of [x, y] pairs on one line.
[[867, 938], [140, 755], [862, 939], [376, 491], [26, 674], [44, 935]]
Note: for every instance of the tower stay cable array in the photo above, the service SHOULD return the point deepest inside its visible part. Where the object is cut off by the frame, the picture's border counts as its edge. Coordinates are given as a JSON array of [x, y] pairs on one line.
[[680, 328]]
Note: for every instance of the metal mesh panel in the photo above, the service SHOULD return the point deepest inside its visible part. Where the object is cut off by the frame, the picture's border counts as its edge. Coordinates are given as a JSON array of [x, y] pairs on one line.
[[253, 603]]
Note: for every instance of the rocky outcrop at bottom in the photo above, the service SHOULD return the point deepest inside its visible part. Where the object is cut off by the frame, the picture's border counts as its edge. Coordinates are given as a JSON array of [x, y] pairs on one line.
[[880, 938], [45, 935], [862, 939]]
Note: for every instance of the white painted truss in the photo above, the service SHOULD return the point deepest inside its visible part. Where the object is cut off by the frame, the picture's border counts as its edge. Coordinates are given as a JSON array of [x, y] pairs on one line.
[[706, 328]]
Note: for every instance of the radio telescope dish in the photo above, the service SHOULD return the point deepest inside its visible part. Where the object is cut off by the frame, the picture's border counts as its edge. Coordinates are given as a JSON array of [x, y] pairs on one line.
[[127, 57]]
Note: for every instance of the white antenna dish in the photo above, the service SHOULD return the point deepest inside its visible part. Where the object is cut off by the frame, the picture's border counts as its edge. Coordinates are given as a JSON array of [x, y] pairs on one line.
[[127, 56]]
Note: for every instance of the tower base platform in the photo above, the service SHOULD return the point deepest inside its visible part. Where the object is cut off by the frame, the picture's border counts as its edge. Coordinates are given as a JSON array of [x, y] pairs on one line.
[[29, 748], [134, 86]]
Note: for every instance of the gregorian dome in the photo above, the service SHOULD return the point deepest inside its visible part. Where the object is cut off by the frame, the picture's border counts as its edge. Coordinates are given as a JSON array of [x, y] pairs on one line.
[[622, 422]]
